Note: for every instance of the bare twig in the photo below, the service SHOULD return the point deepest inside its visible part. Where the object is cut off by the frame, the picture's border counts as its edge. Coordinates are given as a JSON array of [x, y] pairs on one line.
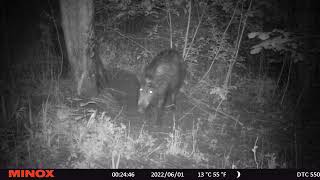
[[227, 157], [194, 35], [117, 116], [30, 112], [196, 103], [237, 48], [220, 47], [260, 82], [58, 38], [155, 149], [288, 82], [170, 23], [186, 113], [194, 137], [129, 38], [187, 32], [299, 98], [280, 75], [215, 115], [118, 91], [254, 150], [115, 165]]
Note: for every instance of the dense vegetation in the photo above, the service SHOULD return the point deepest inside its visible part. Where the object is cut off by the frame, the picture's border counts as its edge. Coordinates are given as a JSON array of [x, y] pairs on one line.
[[234, 110]]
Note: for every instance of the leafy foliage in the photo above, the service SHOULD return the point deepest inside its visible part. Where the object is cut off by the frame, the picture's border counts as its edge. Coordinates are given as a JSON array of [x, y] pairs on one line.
[[278, 41]]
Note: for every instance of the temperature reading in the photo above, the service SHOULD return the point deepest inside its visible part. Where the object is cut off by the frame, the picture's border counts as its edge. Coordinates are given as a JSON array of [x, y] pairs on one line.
[[200, 174], [212, 174]]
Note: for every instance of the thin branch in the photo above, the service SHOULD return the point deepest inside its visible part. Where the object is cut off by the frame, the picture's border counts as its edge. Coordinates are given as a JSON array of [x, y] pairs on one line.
[[58, 38], [186, 113], [132, 40], [226, 82], [220, 47], [197, 103], [194, 35], [280, 75], [170, 23], [187, 32], [238, 47], [299, 98], [288, 81], [254, 150]]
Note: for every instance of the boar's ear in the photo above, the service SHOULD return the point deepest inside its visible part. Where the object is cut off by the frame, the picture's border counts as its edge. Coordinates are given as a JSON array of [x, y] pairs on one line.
[[139, 77], [148, 81]]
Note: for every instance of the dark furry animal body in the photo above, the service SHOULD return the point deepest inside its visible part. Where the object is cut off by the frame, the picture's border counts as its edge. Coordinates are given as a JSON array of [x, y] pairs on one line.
[[162, 79]]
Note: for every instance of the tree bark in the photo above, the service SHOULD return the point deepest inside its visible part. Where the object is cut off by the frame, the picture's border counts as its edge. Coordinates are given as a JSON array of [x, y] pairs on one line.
[[77, 24]]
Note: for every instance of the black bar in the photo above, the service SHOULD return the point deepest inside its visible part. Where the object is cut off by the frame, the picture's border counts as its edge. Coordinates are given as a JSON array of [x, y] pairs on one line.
[[93, 174]]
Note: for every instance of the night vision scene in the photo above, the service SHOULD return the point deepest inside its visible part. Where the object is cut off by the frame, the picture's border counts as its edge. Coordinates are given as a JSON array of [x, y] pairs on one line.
[[150, 84]]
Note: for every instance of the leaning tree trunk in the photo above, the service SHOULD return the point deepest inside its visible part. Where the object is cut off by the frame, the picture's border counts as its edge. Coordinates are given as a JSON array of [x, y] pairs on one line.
[[77, 20]]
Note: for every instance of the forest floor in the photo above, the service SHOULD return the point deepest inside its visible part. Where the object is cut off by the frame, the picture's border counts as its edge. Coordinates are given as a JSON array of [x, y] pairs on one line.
[[58, 129]]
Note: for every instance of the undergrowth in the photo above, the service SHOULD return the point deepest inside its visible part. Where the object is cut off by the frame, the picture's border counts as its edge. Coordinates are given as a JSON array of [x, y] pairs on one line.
[[223, 122]]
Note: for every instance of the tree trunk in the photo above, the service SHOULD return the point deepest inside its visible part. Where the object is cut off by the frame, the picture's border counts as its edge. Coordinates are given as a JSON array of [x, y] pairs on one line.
[[77, 25]]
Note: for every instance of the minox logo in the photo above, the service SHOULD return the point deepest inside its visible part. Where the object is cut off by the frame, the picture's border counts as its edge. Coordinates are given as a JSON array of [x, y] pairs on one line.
[[32, 173]]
